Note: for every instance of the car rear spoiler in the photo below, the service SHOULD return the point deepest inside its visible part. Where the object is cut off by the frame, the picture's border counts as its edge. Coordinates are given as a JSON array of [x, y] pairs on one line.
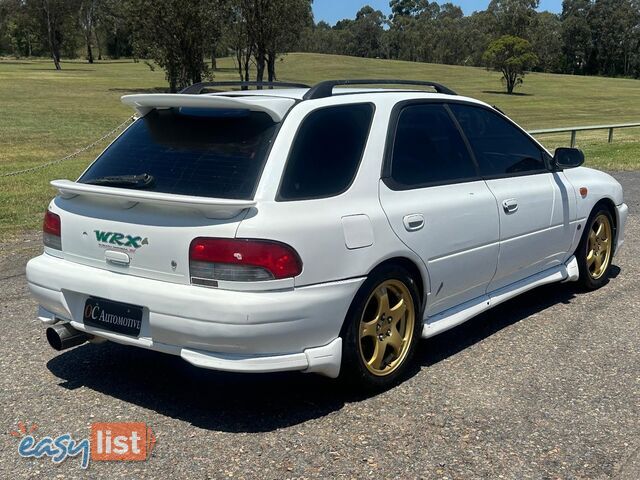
[[275, 107], [220, 208]]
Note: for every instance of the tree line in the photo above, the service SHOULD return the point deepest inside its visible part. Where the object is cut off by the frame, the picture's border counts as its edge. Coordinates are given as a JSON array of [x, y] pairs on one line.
[[590, 37], [185, 37]]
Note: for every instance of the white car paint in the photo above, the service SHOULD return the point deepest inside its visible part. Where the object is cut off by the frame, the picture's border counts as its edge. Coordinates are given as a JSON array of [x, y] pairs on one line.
[[460, 265], [276, 108], [221, 208], [538, 234], [470, 253]]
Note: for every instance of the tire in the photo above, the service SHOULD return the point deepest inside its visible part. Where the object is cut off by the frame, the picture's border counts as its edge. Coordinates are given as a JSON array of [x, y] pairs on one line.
[[595, 251], [378, 343]]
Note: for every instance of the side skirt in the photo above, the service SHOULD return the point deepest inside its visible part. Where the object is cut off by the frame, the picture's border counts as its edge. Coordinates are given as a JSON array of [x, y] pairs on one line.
[[452, 317]]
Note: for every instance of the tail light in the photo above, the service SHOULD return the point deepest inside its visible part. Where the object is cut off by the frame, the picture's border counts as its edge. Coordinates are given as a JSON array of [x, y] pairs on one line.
[[51, 231], [240, 260]]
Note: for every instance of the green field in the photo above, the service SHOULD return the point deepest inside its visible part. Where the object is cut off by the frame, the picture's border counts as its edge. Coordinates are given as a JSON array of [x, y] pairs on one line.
[[46, 114]]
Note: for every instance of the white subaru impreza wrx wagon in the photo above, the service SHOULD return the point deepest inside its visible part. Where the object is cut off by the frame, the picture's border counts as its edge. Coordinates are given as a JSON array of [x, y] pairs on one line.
[[317, 229]]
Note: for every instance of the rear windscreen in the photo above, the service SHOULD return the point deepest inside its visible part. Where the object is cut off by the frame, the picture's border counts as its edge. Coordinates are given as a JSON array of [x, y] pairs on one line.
[[207, 153]]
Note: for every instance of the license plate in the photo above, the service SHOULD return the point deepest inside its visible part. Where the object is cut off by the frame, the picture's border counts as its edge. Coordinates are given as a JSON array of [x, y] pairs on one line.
[[113, 316]]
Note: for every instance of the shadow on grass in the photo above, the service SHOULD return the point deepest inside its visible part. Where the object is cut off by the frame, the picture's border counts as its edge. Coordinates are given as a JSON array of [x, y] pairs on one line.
[[61, 71], [260, 402], [113, 62], [141, 90], [515, 94]]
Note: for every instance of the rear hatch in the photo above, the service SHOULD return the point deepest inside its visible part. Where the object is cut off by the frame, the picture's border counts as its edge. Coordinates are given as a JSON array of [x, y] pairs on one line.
[[182, 171]]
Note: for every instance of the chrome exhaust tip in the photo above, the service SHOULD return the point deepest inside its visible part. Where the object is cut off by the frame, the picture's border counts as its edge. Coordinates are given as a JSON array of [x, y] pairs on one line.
[[63, 336]]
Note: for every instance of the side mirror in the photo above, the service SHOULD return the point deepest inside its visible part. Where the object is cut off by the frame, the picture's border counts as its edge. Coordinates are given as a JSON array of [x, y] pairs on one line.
[[568, 157]]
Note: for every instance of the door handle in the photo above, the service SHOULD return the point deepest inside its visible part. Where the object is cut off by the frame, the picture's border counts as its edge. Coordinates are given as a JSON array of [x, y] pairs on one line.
[[117, 258], [510, 206], [413, 222]]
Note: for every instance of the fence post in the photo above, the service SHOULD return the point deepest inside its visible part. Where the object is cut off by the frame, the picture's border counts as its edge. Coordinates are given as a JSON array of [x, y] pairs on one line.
[[611, 135], [573, 138]]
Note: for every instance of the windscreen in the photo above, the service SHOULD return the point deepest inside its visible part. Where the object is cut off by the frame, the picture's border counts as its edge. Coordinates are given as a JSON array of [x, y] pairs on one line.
[[201, 152]]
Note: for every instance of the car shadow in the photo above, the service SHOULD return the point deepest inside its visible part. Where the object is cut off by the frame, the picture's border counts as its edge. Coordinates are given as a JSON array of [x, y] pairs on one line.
[[261, 402], [447, 344], [206, 399]]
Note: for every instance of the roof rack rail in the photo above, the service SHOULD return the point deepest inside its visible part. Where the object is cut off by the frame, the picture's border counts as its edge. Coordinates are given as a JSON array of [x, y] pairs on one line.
[[325, 89], [197, 88]]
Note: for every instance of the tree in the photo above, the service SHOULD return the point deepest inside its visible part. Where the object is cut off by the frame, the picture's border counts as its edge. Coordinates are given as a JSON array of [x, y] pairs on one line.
[[236, 37], [612, 23], [403, 38], [512, 56], [290, 17], [114, 28], [271, 27], [56, 21], [576, 35], [402, 8], [413, 29], [87, 18], [367, 32], [513, 17], [18, 29], [319, 38], [546, 40], [449, 46], [478, 31], [175, 34]]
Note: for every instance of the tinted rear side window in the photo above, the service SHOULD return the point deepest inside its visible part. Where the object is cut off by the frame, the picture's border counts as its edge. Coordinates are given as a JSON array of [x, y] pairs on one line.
[[208, 153], [499, 146], [326, 152], [428, 149]]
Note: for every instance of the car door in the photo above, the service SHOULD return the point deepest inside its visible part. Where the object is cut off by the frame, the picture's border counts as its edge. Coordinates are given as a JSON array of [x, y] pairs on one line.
[[438, 205], [533, 201]]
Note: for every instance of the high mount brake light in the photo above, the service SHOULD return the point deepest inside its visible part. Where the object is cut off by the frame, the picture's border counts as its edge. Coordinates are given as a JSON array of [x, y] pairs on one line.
[[241, 260], [51, 235]]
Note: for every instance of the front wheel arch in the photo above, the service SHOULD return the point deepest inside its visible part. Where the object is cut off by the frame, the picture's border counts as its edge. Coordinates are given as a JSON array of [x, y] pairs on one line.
[[589, 282], [609, 205]]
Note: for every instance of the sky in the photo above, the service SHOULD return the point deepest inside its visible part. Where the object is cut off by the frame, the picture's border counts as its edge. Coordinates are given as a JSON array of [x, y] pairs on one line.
[[333, 10]]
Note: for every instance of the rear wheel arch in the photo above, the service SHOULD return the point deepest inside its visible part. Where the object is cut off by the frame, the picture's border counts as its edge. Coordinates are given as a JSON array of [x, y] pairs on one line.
[[402, 278], [414, 271]]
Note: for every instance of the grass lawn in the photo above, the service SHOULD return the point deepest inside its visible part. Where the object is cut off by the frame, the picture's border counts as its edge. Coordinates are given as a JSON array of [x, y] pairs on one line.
[[46, 114]]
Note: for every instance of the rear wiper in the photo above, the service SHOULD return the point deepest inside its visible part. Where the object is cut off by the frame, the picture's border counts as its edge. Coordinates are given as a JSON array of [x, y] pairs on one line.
[[143, 180]]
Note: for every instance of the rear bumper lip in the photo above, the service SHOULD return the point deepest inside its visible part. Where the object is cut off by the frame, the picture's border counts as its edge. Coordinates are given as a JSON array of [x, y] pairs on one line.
[[294, 329], [324, 360]]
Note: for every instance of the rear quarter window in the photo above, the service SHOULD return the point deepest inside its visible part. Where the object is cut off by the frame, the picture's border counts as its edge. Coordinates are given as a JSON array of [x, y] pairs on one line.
[[326, 152], [200, 152]]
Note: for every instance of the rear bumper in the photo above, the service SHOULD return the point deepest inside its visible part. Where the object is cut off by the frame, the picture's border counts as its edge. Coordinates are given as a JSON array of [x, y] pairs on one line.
[[622, 213], [295, 329]]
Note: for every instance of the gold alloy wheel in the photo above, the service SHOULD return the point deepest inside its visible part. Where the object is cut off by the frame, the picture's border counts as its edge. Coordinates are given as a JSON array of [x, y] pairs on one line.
[[386, 327], [599, 246]]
